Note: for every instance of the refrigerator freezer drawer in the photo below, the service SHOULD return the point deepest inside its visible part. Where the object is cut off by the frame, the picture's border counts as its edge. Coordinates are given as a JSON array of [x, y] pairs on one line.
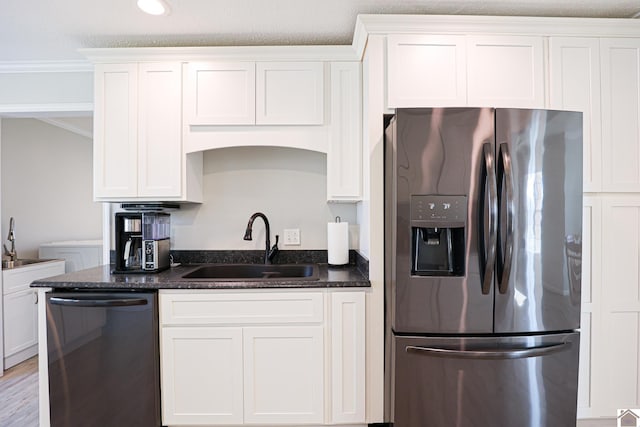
[[527, 381]]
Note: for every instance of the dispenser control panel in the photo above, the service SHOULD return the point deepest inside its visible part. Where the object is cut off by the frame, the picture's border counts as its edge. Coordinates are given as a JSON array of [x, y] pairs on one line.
[[436, 208]]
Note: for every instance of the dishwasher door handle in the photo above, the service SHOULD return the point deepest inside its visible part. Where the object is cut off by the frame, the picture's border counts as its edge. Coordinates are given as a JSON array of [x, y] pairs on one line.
[[92, 301]]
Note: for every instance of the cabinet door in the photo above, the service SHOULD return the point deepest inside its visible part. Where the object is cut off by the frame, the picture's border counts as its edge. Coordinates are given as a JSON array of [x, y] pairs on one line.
[[591, 372], [284, 376], [575, 85], [160, 130], [201, 373], [344, 156], [347, 357], [505, 71], [289, 93], [220, 93], [115, 149], [620, 114], [20, 322], [620, 302], [426, 71]]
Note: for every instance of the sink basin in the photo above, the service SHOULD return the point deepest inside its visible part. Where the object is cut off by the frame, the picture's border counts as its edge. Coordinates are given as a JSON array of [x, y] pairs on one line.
[[251, 272], [6, 264]]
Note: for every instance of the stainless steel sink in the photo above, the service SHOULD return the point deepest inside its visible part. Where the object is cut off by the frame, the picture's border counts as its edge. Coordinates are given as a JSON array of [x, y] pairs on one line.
[[253, 272], [7, 264]]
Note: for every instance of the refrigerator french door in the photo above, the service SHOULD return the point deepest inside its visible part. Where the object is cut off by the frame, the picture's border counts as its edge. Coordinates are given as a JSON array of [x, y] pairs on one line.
[[483, 220]]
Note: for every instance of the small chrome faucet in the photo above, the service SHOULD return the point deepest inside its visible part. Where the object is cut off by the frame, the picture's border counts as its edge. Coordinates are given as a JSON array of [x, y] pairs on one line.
[[269, 252], [12, 238]]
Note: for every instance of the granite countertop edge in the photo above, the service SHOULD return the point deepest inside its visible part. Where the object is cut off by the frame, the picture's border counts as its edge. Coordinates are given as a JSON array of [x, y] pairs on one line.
[[102, 278]]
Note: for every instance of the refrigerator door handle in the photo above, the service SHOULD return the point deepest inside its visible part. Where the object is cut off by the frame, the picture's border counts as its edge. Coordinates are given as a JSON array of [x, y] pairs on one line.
[[492, 201], [518, 353], [504, 265]]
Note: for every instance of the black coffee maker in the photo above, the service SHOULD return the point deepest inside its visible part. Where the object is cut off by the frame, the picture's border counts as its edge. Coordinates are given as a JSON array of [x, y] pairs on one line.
[[142, 242]]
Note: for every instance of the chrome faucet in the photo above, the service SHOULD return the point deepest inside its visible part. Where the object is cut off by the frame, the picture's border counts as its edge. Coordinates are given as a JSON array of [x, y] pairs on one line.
[[269, 253], [12, 238]]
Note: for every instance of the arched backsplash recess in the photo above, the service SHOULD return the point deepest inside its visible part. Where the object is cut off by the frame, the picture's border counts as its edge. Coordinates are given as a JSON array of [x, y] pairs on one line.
[[287, 184]]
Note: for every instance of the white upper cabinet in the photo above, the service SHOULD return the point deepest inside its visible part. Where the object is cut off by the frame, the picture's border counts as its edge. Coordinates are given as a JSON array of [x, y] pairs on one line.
[[289, 93], [426, 71], [138, 134], [620, 114], [115, 146], [505, 71], [220, 93], [159, 130], [254, 93], [574, 80], [344, 154]]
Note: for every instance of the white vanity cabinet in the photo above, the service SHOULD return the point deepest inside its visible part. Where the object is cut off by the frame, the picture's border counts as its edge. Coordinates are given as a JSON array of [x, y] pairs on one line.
[[262, 357], [138, 133], [20, 314], [254, 93]]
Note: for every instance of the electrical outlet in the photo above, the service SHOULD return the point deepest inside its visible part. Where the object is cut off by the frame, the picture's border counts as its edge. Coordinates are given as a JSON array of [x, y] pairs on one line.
[[292, 236]]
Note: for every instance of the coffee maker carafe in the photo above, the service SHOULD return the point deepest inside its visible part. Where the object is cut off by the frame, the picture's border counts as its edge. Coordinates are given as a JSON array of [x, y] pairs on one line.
[[142, 242]]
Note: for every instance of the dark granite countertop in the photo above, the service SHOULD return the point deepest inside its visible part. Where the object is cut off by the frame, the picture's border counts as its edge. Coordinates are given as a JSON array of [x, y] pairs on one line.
[[101, 278]]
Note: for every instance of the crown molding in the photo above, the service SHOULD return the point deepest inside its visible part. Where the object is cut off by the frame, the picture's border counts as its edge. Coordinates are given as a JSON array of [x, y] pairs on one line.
[[222, 53], [46, 67], [490, 25]]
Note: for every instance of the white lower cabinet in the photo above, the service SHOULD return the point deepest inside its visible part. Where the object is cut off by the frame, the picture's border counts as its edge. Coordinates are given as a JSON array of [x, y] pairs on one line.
[[262, 358], [283, 375], [620, 317], [201, 375], [20, 314]]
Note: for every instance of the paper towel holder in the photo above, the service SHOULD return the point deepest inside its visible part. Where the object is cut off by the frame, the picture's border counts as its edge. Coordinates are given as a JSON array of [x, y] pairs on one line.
[[338, 243]]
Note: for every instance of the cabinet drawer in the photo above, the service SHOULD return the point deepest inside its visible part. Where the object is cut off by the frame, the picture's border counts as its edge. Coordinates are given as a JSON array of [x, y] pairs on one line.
[[20, 278], [197, 308]]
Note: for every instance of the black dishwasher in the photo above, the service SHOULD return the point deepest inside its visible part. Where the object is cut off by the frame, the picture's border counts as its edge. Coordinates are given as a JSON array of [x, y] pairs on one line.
[[103, 358]]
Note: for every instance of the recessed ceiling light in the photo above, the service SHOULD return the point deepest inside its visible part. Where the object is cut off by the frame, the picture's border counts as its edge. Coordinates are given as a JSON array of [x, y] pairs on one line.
[[154, 7]]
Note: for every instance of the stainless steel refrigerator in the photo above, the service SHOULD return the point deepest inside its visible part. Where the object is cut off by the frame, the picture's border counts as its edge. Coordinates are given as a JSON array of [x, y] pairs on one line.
[[483, 231]]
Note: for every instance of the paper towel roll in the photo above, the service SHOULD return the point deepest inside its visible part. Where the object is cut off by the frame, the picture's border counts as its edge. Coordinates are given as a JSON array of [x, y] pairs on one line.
[[338, 243]]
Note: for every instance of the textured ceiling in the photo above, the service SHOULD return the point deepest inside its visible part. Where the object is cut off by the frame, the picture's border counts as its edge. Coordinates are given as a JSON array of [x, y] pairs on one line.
[[52, 30]]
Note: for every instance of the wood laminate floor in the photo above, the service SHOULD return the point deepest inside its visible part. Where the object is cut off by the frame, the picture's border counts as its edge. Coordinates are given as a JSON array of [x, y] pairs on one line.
[[19, 395], [19, 398]]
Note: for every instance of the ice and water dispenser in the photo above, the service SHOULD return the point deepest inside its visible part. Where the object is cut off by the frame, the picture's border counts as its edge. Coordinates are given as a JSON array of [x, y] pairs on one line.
[[438, 235]]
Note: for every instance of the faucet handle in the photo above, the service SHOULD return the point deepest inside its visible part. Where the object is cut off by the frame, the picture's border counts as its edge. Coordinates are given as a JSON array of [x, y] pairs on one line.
[[274, 250]]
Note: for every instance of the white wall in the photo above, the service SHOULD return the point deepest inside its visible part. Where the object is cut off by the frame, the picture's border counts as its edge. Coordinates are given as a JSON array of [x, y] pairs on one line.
[[287, 185], [46, 185]]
